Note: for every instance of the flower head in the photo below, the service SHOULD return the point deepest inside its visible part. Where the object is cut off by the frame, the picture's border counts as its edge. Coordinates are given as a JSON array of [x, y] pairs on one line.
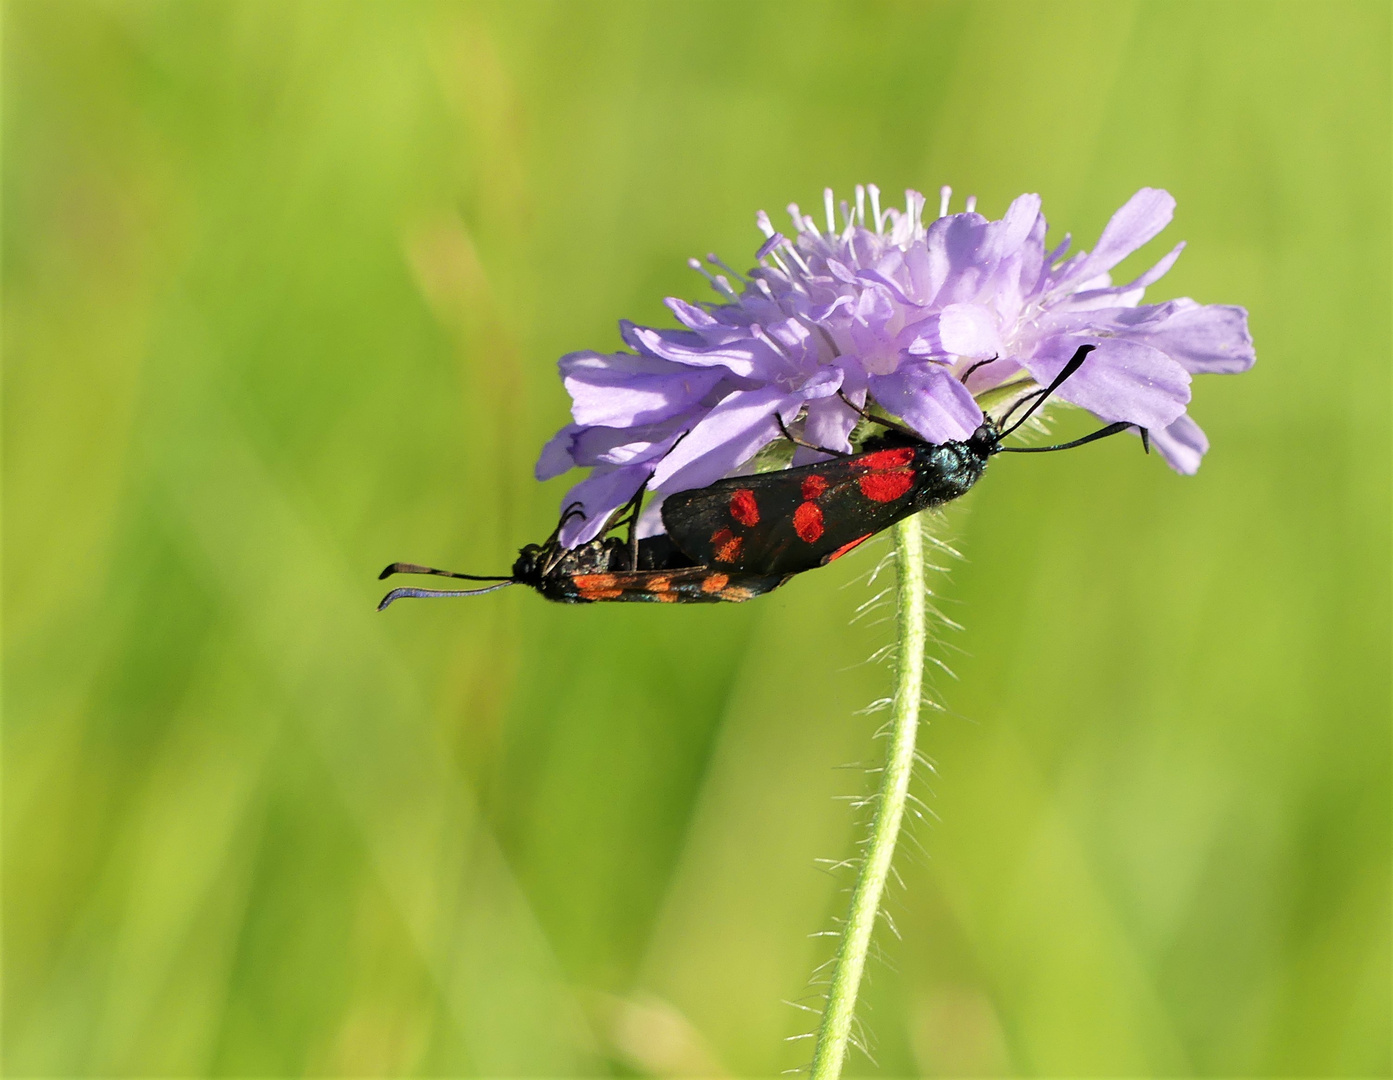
[[929, 323]]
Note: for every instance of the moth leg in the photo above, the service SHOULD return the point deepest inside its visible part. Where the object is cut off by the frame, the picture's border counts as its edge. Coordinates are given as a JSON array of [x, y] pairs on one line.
[[633, 507], [980, 364], [882, 421], [551, 552], [807, 445]]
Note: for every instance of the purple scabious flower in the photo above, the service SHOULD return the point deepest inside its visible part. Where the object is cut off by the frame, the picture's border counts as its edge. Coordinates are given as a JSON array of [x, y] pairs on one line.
[[931, 323]]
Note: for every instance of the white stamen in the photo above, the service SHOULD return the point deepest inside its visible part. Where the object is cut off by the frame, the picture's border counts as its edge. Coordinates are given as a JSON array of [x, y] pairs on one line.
[[944, 194], [758, 332], [861, 204], [762, 221], [971, 203], [914, 207], [797, 216], [793, 254], [720, 284], [716, 260], [831, 216], [847, 220], [875, 206]]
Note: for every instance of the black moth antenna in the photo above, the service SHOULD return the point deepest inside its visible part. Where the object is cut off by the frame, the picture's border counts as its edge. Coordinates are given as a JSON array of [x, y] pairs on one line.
[[1101, 433], [1041, 396], [414, 568]]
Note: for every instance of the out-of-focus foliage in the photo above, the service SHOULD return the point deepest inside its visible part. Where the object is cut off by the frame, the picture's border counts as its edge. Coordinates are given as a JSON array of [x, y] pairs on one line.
[[284, 284]]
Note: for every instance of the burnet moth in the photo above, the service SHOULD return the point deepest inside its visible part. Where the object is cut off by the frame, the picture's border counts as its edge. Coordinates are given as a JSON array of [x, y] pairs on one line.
[[792, 520], [648, 570]]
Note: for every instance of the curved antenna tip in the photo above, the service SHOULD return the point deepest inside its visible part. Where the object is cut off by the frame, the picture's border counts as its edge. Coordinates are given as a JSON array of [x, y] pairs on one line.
[[405, 591]]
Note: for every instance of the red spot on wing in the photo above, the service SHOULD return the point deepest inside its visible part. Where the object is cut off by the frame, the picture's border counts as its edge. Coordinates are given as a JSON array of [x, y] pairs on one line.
[[744, 508], [807, 522], [727, 545], [887, 459], [886, 486], [715, 582], [813, 486], [847, 547]]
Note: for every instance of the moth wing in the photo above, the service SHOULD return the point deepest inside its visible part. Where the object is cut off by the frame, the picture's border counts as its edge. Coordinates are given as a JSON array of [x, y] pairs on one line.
[[688, 585], [797, 519]]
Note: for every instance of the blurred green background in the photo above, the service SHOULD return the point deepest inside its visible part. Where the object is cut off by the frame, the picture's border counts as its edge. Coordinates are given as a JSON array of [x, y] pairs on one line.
[[284, 287]]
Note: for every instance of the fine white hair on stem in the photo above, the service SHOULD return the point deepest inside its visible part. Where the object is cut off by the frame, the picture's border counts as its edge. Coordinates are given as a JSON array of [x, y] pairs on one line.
[[915, 606], [837, 1030]]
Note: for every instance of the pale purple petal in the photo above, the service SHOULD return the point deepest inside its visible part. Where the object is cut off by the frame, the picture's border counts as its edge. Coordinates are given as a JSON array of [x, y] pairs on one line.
[[1033, 260], [823, 383], [1092, 301], [730, 434], [600, 494], [873, 331], [1160, 270], [617, 363], [826, 311], [796, 347], [1004, 238], [1143, 216], [626, 446], [619, 389], [1103, 295], [691, 316], [1111, 321], [555, 457], [828, 423], [745, 356], [969, 330], [1206, 339], [1120, 380], [955, 270], [875, 277], [929, 400], [920, 268], [1182, 444]]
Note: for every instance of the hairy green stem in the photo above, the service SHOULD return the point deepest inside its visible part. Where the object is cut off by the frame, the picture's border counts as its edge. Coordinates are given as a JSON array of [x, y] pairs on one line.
[[835, 1031]]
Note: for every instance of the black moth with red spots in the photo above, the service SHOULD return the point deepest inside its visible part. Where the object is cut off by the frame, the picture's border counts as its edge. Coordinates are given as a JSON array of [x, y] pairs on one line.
[[744, 537], [603, 570], [794, 520]]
